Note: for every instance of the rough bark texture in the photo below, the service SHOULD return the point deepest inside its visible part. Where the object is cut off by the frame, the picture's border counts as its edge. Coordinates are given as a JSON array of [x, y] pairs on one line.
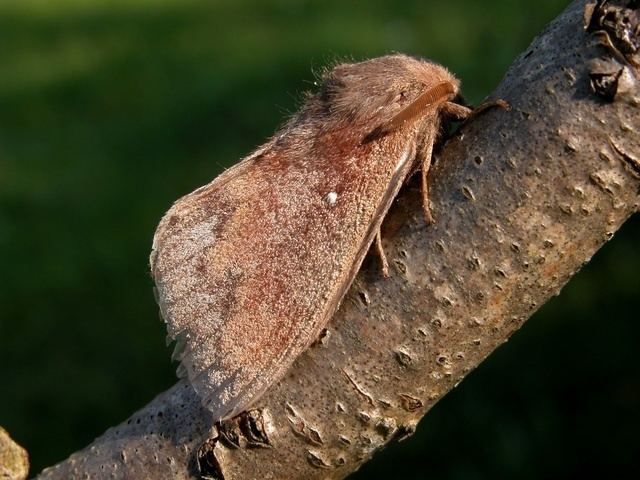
[[521, 200], [14, 462]]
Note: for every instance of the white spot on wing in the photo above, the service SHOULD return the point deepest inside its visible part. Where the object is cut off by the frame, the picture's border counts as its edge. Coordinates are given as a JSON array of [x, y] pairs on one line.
[[331, 198]]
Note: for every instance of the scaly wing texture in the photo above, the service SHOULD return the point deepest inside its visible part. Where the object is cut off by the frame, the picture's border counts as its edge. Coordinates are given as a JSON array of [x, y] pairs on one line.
[[250, 267]]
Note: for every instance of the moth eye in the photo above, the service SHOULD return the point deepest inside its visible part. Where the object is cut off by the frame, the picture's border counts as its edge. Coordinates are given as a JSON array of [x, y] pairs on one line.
[[460, 100], [402, 97]]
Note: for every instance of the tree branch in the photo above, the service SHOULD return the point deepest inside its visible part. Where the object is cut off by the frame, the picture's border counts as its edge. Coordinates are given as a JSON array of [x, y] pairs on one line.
[[14, 462], [521, 200]]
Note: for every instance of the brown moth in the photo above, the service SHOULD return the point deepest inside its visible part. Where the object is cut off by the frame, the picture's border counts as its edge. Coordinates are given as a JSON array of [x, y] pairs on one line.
[[252, 266]]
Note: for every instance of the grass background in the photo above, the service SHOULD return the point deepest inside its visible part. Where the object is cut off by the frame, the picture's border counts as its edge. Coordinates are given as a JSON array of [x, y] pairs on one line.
[[110, 110]]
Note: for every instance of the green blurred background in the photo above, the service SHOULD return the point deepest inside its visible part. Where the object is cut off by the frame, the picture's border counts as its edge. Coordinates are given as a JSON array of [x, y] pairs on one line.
[[110, 110]]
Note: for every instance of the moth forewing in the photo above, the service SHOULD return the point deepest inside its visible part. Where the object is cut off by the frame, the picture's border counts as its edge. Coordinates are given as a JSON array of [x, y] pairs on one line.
[[251, 267]]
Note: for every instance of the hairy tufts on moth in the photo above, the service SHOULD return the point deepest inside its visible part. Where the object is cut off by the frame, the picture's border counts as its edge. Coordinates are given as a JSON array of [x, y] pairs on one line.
[[250, 268]]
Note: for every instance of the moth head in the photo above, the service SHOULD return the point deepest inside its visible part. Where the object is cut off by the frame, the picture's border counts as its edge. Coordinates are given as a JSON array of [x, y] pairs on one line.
[[373, 92]]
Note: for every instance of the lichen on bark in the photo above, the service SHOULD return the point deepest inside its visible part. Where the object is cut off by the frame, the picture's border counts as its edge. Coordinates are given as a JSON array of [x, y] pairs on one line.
[[14, 461]]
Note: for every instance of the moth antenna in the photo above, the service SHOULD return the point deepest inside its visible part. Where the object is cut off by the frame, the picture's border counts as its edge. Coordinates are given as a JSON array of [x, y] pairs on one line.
[[429, 100]]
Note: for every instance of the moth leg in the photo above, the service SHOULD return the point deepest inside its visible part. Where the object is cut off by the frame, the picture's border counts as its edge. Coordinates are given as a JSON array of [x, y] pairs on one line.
[[489, 104], [384, 264], [462, 113], [424, 158], [456, 111], [426, 206]]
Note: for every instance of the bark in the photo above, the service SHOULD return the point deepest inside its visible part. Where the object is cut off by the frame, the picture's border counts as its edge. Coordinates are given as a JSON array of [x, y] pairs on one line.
[[521, 200], [14, 461]]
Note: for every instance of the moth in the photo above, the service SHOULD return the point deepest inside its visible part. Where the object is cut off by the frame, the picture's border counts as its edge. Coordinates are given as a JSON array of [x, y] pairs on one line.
[[251, 267]]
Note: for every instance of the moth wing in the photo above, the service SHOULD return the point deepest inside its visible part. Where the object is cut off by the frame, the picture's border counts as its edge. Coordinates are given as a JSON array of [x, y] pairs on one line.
[[250, 267]]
